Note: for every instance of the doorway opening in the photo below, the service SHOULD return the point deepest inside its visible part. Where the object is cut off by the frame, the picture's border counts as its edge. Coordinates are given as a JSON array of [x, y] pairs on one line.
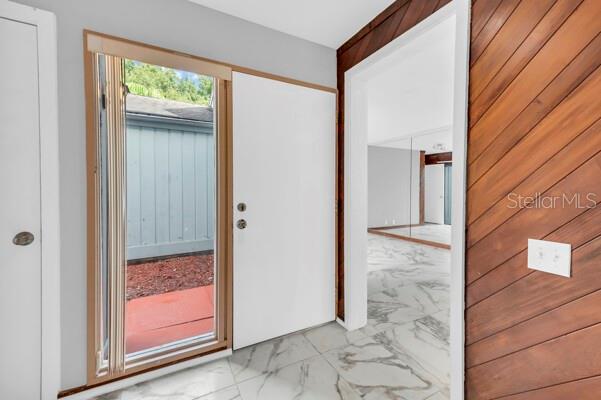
[[404, 168], [159, 237]]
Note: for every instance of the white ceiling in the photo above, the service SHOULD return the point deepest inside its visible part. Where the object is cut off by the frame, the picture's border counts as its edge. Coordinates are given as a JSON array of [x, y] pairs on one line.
[[410, 92], [327, 22]]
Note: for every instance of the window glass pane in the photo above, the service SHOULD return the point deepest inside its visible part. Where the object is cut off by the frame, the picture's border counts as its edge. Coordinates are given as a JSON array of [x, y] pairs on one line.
[[171, 191]]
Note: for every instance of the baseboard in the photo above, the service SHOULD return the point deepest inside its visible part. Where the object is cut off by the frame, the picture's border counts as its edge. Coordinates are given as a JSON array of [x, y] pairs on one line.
[[123, 383]]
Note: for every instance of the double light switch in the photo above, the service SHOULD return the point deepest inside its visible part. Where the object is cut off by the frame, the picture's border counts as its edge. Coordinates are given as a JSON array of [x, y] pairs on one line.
[[551, 257]]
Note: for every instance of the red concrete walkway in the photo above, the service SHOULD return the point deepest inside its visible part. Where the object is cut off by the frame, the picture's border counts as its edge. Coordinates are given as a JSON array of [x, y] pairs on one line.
[[164, 318]]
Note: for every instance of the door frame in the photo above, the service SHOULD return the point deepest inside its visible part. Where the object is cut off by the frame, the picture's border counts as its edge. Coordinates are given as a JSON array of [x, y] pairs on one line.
[[45, 23], [96, 43], [353, 192]]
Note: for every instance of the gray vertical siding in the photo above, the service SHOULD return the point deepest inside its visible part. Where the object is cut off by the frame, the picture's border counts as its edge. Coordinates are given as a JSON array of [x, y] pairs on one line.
[[170, 187]]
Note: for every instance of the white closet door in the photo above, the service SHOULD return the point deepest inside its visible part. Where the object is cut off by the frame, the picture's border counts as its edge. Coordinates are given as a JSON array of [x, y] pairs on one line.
[[20, 265], [284, 151]]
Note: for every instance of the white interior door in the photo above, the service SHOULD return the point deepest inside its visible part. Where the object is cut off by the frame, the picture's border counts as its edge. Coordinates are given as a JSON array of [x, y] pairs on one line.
[[284, 150], [20, 265]]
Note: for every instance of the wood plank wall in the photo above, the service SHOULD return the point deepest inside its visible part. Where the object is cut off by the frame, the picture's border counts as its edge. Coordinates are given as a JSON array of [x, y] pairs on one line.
[[534, 128], [535, 105], [397, 19]]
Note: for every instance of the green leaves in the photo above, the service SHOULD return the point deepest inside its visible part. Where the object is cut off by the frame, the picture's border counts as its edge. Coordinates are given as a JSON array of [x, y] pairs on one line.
[[166, 83]]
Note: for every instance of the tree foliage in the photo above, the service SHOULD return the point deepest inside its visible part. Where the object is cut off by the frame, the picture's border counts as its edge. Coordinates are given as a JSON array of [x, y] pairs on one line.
[[166, 83]]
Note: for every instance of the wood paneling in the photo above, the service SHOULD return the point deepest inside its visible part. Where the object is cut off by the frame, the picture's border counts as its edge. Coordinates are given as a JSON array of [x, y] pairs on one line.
[[535, 130], [399, 17], [586, 62], [565, 359], [573, 36], [577, 232], [438, 158]]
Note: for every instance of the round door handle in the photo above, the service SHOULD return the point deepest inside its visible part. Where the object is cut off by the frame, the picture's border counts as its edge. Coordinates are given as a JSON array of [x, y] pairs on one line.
[[23, 239], [241, 224]]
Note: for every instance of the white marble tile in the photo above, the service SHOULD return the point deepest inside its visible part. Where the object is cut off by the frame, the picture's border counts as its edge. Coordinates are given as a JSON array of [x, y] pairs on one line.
[[414, 260], [380, 372], [230, 393], [425, 340], [188, 384], [392, 307], [312, 379], [401, 354], [439, 396], [384, 279], [437, 290], [268, 356], [332, 336]]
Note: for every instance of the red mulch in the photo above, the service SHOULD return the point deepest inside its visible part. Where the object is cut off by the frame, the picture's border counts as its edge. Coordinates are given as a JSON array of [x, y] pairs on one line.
[[169, 275]]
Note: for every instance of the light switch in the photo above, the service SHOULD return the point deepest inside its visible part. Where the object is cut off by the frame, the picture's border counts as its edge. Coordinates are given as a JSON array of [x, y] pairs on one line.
[[551, 257]]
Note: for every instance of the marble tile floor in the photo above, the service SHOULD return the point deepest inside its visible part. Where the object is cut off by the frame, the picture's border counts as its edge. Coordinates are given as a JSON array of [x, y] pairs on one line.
[[402, 353]]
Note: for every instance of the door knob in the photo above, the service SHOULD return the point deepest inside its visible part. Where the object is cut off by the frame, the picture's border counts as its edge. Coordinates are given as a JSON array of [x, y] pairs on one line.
[[23, 239], [241, 224]]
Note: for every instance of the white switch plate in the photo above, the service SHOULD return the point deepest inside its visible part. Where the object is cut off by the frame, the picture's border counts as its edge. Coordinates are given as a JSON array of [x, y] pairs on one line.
[[551, 257]]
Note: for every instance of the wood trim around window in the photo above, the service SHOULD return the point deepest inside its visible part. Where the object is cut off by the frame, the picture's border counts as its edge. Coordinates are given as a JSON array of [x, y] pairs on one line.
[[158, 55], [223, 279]]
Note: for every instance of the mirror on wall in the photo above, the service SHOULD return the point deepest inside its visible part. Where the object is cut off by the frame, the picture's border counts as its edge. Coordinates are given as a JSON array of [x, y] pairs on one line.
[[434, 174], [389, 186], [410, 187]]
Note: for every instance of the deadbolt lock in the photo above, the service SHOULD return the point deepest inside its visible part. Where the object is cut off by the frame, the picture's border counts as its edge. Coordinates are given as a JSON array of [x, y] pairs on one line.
[[241, 224], [23, 239], [241, 207]]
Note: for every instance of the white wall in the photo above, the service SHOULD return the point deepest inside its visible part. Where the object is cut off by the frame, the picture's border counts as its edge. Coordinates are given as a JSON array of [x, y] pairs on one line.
[[434, 194], [174, 24], [412, 92], [392, 187]]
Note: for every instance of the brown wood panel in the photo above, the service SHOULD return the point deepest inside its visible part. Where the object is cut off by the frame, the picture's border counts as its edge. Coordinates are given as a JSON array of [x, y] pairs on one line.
[[417, 11], [534, 295], [586, 389], [576, 232], [581, 109], [482, 11], [517, 27], [496, 71], [399, 17], [573, 316], [438, 158], [557, 167], [582, 26], [534, 128], [535, 222], [391, 10], [572, 76], [567, 358], [488, 32]]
